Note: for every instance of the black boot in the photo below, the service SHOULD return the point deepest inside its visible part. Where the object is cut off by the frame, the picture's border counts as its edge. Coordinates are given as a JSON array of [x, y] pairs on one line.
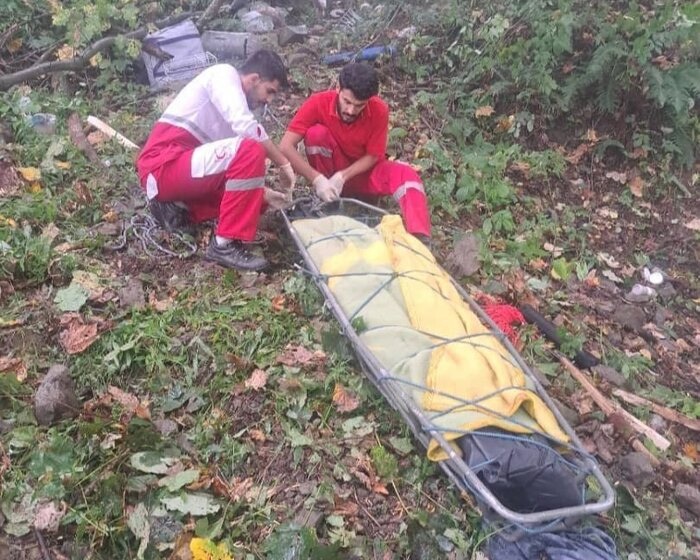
[[234, 255]]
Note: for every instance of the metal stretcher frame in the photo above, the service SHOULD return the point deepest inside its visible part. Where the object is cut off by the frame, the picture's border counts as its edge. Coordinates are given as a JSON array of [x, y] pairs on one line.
[[456, 469]]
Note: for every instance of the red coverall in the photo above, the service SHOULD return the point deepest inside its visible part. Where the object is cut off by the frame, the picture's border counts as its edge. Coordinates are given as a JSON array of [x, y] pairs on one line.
[[333, 145]]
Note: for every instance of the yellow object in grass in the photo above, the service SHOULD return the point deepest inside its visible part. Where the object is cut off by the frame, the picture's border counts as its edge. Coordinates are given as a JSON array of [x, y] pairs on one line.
[[205, 549]]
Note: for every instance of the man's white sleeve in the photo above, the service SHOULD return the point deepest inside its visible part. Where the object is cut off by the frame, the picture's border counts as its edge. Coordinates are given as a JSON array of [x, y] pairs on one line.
[[227, 96]]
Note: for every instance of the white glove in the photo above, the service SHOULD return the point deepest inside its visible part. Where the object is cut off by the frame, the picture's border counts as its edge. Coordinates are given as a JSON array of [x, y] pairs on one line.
[[324, 189], [277, 200], [338, 181], [287, 177]]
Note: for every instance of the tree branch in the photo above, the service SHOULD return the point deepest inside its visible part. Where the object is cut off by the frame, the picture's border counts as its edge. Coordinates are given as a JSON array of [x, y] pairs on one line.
[[78, 62]]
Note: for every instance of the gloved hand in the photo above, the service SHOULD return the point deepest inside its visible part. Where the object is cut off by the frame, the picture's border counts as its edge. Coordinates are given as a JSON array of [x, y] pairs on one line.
[[337, 180], [287, 177], [324, 189], [277, 200]]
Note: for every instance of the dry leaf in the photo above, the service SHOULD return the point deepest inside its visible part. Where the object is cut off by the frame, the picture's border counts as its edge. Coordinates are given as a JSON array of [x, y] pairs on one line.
[[484, 111], [505, 123], [591, 280], [289, 384], [9, 180], [379, 488], [556, 251], [50, 232], [538, 264], [591, 135], [30, 174], [14, 45], [77, 336], [568, 68], [637, 186], [96, 137], [257, 380], [617, 177], [690, 450], [48, 517], [343, 400], [160, 304], [34, 188], [298, 356], [257, 435], [14, 366], [278, 303], [65, 52], [693, 224], [575, 156]]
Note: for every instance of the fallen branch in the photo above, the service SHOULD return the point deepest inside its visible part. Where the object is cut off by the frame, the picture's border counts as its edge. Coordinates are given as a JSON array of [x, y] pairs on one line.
[[78, 62], [669, 414], [611, 408]]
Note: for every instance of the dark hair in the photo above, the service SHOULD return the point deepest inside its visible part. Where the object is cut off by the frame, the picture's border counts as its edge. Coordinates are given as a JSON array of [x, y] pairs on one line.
[[267, 64], [360, 79]]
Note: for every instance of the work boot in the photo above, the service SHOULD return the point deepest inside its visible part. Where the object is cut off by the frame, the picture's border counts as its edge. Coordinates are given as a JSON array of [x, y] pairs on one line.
[[170, 216], [234, 255]]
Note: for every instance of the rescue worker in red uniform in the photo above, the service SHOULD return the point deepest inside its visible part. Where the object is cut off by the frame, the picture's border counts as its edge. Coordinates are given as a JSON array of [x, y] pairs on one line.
[[205, 157], [345, 137]]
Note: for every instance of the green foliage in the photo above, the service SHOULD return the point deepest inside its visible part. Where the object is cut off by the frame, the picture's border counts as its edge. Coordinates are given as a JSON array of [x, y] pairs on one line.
[[568, 57]]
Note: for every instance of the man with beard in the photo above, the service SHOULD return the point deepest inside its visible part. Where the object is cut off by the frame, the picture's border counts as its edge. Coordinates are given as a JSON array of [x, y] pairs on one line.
[[205, 158], [345, 137]]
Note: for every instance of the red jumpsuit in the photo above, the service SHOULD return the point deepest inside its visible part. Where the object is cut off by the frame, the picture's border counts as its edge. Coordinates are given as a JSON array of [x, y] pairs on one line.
[[205, 152], [333, 145]]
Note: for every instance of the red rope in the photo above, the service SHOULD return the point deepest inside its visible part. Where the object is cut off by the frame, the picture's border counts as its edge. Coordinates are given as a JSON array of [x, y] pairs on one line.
[[505, 316]]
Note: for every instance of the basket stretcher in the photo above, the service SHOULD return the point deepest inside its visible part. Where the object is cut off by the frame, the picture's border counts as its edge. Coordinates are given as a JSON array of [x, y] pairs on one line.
[[596, 496]]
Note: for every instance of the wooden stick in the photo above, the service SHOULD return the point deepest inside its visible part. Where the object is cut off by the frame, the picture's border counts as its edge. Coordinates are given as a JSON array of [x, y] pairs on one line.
[[109, 131], [669, 414], [609, 407]]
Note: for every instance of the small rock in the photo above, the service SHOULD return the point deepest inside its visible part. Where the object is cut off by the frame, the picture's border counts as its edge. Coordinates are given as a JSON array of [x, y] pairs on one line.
[[666, 291], [637, 468], [55, 398], [109, 229], [611, 375], [688, 497], [630, 316], [464, 258], [569, 414], [132, 294], [640, 294], [292, 34], [658, 423], [496, 288]]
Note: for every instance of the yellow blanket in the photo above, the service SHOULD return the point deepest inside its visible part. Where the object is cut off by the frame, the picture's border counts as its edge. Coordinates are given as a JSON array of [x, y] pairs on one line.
[[422, 331]]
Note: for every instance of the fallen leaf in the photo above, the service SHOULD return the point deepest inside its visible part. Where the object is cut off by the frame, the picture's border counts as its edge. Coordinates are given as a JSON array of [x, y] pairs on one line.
[[257, 435], [289, 384], [591, 135], [137, 521], [90, 282], [484, 111], [130, 402], [50, 232], [14, 45], [65, 52], [568, 68], [606, 212], [77, 336], [693, 224], [538, 264], [160, 304], [298, 355], [505, 123], [379, 488], [278, 303], [62, 164], [610, 275], [591, 280], [636, 186], [10, 182], [96, 137], [556, 251], [71, 298], [14, 366], [30, 174], [257, 380], [608, 260], [575, 157], [690, 450], [343, 400], [617, 177], [205, 549], [34, 188], [48, 517]]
